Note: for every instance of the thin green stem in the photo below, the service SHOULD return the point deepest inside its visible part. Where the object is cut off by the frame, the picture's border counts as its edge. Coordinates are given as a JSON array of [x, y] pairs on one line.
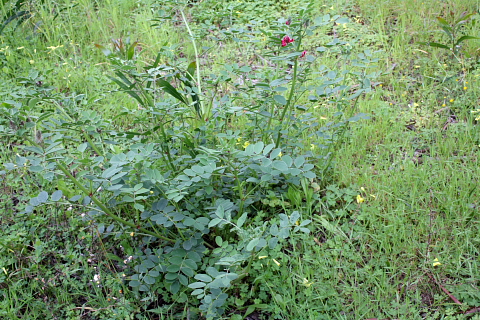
[[291, 94], [205, 113], [84, 133], [334, 146], [289, 100], [91, 143], [245, 271]]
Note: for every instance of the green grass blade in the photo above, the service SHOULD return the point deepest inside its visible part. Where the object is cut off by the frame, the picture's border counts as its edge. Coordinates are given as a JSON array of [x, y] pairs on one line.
[[461, 39], [463, 19], [168, 88], [434, 44]]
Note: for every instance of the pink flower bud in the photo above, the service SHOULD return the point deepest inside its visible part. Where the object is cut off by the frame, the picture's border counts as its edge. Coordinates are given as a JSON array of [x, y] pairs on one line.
[[303, 54]]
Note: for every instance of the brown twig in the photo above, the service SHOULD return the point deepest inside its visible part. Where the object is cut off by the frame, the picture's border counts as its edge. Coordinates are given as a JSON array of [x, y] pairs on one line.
[[445, 290], [473, 310]]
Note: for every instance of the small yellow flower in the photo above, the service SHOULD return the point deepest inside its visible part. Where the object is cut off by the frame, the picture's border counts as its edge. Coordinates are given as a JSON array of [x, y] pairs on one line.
[[465, 88], [262, 257], [32, 61], [444, 105], [312, 146], [297, 223], [436, 262], [132, 234], [306, 283], [276, 262], [373, 196], [246, 144], [360, 199], [20, 48], [280, 154], [151, 192], [451, 100], [52, 48]]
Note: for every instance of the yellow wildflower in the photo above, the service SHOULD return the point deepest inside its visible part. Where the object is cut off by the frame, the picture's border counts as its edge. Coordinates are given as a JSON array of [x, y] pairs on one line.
[[276, 262], [246, 144], [52, 48], [436, 262], [360, 199], [306, 283]]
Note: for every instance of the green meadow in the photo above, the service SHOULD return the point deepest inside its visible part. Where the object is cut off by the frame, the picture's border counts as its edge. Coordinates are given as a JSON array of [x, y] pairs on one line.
[[222, 159]]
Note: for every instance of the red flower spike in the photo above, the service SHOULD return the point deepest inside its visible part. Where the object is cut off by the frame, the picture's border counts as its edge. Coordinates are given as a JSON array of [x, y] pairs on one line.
[[288, 22], [303, 54]]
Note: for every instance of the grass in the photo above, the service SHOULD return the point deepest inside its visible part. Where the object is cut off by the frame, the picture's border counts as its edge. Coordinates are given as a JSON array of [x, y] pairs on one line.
[[415, 164]]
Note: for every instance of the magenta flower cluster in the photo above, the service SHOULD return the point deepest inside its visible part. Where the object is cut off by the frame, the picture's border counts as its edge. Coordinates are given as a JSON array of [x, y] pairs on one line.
[[286, 40]]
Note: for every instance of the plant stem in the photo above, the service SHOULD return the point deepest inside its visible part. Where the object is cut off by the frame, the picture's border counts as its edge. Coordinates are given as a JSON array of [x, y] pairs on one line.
[[335, 145], [84, 133], [289, 101], [245, 271], [205, 113], [90, 142], [291, 93]]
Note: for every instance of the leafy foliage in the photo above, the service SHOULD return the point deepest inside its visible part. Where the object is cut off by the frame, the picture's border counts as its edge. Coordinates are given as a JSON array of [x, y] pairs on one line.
[[204, 176]]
